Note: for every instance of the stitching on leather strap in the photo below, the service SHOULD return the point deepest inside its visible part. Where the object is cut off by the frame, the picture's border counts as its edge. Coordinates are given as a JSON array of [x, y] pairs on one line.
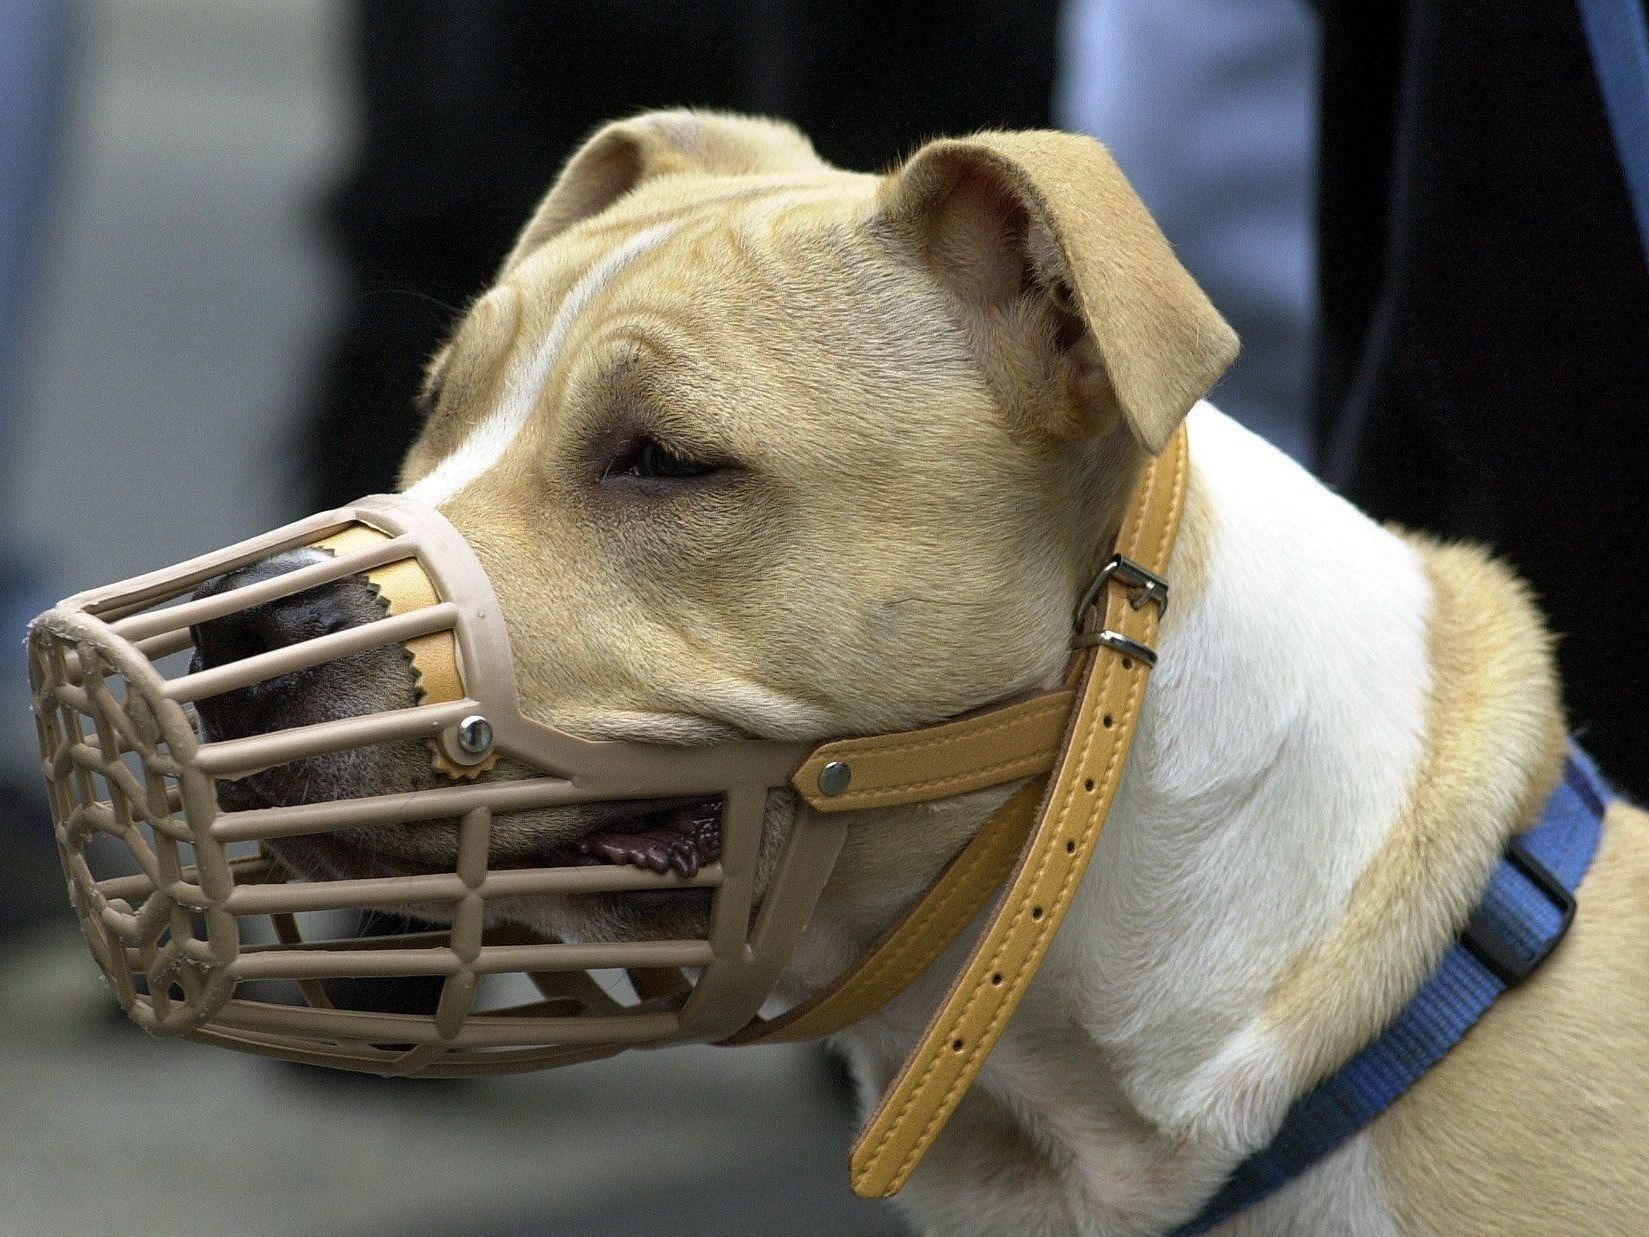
[[1024, 714], [1027, 717], [946, 734], [1094, 717], [1018, 983], [1021, 893], [1034, 763]]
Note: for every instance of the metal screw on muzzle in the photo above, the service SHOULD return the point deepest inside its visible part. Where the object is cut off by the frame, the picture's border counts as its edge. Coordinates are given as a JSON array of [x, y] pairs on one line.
[[475, 735]]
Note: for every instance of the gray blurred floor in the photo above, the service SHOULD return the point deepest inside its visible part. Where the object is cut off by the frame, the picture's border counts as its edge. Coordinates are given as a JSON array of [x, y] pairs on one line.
[[107, 1131], [185, 300]]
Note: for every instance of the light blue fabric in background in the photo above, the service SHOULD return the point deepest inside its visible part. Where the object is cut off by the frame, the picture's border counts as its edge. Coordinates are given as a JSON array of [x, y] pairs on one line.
[[33, 60], [33, 37], [1210, 106]]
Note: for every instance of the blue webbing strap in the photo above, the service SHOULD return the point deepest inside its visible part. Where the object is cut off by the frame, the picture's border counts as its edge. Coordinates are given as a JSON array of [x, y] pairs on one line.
[[1618, 37], [1525, 910]]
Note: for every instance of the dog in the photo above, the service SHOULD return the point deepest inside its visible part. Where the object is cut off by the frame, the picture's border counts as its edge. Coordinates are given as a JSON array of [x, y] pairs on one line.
[[750, 445]]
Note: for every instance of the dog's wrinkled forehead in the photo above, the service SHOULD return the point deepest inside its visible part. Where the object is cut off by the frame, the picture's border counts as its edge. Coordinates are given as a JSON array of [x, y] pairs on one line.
[[708, 283], [530, 360], [1026, 255]]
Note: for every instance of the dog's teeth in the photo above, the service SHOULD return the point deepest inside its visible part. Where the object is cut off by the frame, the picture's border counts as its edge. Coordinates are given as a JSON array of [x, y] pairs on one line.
[[613, 852], [685, 860], [682, 842]]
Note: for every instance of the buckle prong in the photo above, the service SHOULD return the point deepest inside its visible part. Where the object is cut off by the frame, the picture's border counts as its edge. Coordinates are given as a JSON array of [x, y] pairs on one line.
[[1119, 643], [1145, 584]]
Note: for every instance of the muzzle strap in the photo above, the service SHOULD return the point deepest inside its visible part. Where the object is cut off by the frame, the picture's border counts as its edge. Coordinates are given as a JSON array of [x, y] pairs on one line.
[[924, 932], [986, 748], [992, 746], [1008, 953]]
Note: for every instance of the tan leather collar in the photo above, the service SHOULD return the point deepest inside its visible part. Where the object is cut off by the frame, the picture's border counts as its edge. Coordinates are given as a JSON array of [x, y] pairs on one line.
[[1045, 833]]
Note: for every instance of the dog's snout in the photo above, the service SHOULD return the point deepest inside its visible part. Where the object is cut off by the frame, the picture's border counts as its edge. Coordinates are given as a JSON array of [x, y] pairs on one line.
[[359, 682], [274, 624], [309, 688]]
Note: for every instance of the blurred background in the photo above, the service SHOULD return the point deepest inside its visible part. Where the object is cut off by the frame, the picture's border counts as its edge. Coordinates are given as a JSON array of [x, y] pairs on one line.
[[232, 230]]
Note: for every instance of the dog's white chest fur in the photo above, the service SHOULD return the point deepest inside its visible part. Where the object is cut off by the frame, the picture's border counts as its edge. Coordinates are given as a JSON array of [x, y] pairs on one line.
[[1279, 741]]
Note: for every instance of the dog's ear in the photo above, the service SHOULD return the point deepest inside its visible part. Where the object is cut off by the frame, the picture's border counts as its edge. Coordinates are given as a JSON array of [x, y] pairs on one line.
[[1071, 295], [625, 153]]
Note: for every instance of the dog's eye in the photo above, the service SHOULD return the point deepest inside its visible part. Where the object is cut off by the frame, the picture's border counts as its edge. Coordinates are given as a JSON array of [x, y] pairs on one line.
[[649, 459]]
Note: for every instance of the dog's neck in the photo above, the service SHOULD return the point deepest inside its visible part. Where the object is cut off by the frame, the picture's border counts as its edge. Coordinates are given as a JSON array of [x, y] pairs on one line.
[[1281, 758]]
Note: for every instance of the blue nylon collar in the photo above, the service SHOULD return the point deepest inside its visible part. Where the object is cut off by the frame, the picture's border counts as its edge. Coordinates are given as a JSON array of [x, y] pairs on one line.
[[1525, 911]]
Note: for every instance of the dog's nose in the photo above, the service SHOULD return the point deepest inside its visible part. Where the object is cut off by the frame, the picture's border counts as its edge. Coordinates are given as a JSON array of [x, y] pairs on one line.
[[300, 696], [274, 624]]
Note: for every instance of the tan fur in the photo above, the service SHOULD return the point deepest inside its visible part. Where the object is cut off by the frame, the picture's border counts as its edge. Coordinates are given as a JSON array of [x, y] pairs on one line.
[[623, 155], [884, 866], [1514, 1132], [1153, 344], [922, 461], [799, 296], [1494, 749], [1538, 1121]]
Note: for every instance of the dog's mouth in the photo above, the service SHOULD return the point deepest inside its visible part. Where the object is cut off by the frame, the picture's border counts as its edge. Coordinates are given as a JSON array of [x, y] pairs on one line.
[[677, 835]]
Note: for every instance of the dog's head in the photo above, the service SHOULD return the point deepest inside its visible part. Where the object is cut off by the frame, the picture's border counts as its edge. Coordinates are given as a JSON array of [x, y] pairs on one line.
[[750, 445]]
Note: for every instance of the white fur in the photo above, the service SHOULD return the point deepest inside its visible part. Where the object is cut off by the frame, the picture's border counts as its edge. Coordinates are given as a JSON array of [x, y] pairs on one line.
[[1277, 745], [488, 442]]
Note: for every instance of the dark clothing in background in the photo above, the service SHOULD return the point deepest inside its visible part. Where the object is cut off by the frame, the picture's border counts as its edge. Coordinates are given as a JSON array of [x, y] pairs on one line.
[[468, 110], [1484, 349]]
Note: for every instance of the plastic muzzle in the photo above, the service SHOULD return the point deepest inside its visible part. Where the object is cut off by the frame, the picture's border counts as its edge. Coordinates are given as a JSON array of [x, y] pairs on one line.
[[210, 936]]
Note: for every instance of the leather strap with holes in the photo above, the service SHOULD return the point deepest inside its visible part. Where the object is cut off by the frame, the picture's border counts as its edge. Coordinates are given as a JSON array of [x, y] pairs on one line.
[[1003, 961]]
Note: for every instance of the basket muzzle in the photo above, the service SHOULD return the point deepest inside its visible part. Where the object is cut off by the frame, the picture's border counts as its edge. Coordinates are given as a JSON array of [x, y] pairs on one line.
[[211, 935]]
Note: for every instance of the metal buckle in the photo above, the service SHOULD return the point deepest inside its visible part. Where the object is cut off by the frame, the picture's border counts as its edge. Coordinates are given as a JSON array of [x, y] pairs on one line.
[[1147, 586], [1490, 946], [1120, 643]]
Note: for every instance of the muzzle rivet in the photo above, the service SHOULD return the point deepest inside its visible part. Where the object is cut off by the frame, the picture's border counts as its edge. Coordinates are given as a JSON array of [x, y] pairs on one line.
[[834, 777], [475, 734]]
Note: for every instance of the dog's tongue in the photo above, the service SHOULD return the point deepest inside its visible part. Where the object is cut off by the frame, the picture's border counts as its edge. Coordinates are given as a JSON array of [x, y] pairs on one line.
[[682, 841]]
